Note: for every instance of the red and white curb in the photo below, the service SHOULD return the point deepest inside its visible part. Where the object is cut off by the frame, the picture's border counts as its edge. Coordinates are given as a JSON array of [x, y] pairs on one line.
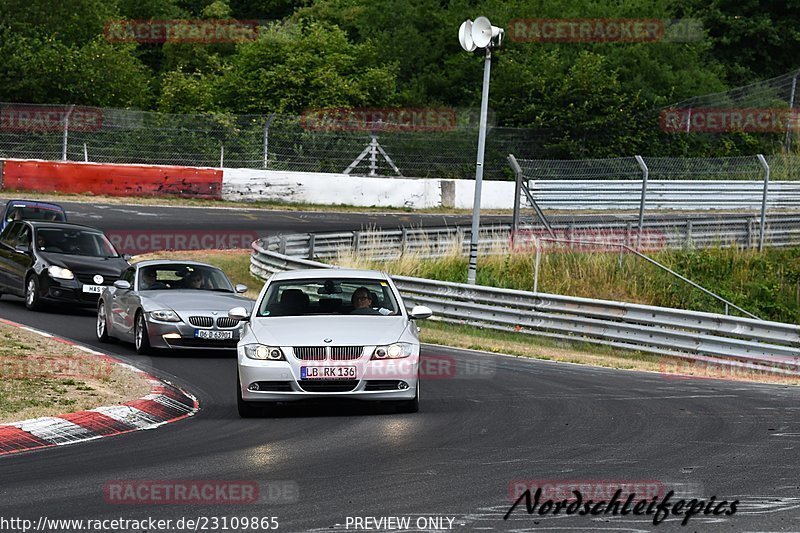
[[166, 403]]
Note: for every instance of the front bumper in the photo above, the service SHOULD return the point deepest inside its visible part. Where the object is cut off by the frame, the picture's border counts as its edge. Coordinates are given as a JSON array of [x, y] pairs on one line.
[[181, 336], [68, 291], [279, 381]]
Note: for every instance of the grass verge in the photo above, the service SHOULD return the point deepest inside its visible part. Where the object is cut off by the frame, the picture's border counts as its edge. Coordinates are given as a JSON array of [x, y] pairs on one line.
[[42, 377], [236, 265]]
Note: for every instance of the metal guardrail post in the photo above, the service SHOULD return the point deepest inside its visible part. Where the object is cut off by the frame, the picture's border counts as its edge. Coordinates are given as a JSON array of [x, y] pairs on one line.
[[645, 174], [356, 241], [282, 245], [312, 241], [763, 227], [403, 241]]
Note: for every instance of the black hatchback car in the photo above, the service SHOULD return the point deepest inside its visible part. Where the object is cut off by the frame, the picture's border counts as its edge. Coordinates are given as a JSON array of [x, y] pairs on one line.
[[56, 261]]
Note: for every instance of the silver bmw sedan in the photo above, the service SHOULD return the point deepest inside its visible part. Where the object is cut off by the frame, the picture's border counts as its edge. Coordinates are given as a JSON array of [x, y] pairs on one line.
[[328, 333]]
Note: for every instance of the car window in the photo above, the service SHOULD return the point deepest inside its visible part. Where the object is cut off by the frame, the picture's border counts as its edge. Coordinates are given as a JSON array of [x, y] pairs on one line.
[[128, 275], [329, 297], [9, 234], [74, 241], [188, 277], [27, 212]]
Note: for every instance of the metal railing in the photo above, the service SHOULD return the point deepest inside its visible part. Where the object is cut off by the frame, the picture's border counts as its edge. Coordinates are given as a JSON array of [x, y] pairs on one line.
[[749, 186], [734, 341]]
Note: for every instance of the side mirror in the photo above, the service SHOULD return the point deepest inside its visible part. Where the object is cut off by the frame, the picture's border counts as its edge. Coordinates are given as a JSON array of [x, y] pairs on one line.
[[127, 257], [239, 313], [122, 284], [240, 288], [420, 312]]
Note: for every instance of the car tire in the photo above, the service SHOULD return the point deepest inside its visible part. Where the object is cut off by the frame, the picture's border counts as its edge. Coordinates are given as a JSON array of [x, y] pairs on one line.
[[101, 327], [141, 340], [409, 406], [246, 409], [32, 299]]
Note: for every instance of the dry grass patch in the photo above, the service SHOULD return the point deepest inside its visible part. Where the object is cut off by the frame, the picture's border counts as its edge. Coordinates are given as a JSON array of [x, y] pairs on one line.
[[672, 368], [42, 377]]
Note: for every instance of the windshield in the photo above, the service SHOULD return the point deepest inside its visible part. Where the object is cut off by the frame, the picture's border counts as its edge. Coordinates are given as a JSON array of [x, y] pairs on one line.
[[25, 212], [74, 241], [329, 297], [178, 276]]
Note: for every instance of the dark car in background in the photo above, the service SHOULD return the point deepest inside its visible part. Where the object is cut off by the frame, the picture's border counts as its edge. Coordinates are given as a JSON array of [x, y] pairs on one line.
[[57, 261], [31, 210]]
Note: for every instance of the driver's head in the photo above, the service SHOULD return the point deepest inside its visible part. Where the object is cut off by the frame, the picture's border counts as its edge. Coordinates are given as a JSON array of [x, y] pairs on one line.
[[361, 298], [195, 280], [148, 276]]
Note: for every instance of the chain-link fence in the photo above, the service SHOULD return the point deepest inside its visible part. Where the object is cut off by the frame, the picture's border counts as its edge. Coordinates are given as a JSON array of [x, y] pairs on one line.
[[656, 202], [278, 142]]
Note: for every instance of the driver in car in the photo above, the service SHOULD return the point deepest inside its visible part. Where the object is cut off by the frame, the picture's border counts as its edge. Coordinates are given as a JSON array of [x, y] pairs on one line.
[[362, 302]]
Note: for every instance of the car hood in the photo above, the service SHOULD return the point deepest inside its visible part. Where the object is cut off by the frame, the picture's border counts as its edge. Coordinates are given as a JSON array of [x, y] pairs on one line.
[[342, 330], [107, 266], [192, 300]]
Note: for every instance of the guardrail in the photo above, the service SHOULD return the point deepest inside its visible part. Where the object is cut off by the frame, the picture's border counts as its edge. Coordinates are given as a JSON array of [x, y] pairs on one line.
[[664, 232], [733, 341]]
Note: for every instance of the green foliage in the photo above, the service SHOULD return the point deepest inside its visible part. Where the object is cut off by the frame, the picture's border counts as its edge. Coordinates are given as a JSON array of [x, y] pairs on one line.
[[583, 99]]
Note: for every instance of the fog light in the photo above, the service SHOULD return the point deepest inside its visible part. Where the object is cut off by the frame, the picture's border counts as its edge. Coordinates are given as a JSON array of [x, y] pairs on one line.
[[253, 386], [402, 385], [171, 336]]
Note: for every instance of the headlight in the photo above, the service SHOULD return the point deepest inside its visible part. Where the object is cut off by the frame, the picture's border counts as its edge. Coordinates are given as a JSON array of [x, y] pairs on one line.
[[165, 315], [397, 350], [263, 353], [60, 273]]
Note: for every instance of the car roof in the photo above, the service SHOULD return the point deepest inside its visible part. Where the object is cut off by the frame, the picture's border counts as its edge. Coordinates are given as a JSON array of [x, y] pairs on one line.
[[169, 262], [34, 203], [56, 224], [322, 273]]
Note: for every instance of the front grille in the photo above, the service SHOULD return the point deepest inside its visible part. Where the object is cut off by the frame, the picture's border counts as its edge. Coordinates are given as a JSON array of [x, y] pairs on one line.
[[346, 353], [328, 385], [201, 321], [226, 322], [86, 279], [310, 353], [383, 384]]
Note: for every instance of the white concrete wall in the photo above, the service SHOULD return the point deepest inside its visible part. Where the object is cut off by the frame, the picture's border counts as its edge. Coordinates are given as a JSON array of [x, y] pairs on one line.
[[329, 189], [494, 194], [319, 188]]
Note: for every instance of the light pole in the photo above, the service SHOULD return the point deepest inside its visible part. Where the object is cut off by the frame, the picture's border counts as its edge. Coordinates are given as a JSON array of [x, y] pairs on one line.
[[471, 36]]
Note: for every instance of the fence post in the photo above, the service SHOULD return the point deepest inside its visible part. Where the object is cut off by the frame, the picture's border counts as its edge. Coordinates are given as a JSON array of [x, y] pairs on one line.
[[645, 174], [763, 228], [688, 233], [517, 191], [66, 133], [403, 241], [536, 266], [221, 156], [85, 153], [312, 241], [266, 140]]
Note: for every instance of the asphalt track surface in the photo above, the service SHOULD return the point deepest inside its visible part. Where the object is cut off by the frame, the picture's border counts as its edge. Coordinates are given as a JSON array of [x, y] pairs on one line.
[[496, 421]]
